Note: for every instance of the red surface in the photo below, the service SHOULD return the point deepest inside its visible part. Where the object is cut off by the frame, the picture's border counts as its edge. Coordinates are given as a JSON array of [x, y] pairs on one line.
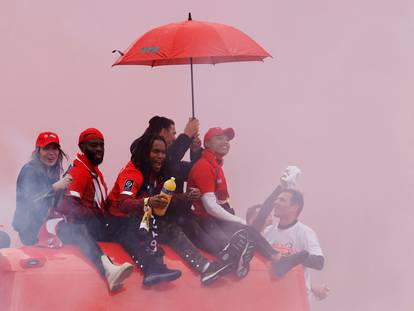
[[64, 280], [205, 43]]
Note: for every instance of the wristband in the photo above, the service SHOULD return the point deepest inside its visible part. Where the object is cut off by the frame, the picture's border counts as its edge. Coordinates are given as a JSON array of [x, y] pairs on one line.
[[146, 202]]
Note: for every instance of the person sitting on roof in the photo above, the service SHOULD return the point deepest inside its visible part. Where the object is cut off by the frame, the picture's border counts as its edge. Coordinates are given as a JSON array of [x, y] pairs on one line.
[[215, 215], [38, 187], [137, 189], [84, 207]]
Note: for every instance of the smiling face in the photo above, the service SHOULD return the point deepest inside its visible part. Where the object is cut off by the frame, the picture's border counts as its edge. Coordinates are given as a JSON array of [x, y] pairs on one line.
[[94, 149], [219, 145], [157, 155], [49, 154]]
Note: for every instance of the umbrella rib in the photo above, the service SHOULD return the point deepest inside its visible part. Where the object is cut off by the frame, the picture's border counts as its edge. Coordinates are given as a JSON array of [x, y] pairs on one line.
[[173, 43], [224, 43]]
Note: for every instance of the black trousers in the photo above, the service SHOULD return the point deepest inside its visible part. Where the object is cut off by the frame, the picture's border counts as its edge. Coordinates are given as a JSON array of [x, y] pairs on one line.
[[87, 232], [204, 233], [212, 234], [171, 233], [260, 244]]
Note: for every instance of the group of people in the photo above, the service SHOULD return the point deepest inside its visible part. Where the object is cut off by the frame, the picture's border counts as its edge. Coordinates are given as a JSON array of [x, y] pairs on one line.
[[83, 212]]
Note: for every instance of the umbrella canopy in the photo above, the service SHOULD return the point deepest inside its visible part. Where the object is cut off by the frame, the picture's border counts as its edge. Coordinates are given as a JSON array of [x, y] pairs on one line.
[[192, 42]]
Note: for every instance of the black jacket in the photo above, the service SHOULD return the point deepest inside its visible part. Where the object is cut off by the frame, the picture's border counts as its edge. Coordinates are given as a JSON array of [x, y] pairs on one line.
[[34, 197], [174, 164]]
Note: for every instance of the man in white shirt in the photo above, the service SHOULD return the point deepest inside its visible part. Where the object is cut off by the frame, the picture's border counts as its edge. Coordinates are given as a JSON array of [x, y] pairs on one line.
[[296, 236]]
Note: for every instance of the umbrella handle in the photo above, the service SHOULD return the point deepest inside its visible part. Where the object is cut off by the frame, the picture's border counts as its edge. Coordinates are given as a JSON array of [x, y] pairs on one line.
[[192, 87]]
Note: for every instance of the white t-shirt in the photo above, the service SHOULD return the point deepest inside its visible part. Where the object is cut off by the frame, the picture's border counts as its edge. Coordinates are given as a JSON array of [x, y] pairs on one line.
[[297, 238]]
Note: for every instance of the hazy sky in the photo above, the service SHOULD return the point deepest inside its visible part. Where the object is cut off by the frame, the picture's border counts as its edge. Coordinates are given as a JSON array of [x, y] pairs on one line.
[[336, 100]]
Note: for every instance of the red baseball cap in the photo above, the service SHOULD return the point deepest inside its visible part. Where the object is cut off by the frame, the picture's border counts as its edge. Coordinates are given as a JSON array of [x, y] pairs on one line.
[[89, 134], [217, 131], [46, 138]]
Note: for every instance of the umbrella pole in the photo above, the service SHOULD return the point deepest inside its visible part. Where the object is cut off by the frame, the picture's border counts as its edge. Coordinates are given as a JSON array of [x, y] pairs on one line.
[[192, 87]]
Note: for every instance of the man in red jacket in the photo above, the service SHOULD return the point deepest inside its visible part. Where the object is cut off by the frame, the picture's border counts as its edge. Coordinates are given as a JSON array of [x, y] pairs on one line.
[[213, 210], [84, 207]]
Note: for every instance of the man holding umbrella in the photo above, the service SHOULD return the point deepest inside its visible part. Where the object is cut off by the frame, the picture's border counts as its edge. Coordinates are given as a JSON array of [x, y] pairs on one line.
[[178, 215], [176, 146]]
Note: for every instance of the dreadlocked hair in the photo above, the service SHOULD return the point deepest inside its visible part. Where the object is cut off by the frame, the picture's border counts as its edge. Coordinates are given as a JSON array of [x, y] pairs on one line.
[[141, 154]]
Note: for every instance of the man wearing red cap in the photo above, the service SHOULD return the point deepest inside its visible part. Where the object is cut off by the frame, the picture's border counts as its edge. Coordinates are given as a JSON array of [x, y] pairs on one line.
[[215, 215], [84, 207]]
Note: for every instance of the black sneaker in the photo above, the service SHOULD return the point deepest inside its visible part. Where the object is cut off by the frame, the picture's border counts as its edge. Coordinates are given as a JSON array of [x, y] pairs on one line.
[[214, 271], [235, 247], [160, 273], [286, 263], [246, 256]]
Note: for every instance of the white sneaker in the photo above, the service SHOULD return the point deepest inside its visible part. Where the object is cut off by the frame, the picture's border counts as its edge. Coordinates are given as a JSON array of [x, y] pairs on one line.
[[116, 274]]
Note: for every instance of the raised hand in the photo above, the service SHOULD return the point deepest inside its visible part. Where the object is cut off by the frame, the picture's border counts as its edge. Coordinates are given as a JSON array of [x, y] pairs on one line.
[[192, 128], [290, 176]]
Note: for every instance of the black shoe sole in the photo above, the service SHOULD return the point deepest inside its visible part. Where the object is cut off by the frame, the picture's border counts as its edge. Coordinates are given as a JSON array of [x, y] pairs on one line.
[[210, 278], [167, 277], [246, 256], [235, 247]]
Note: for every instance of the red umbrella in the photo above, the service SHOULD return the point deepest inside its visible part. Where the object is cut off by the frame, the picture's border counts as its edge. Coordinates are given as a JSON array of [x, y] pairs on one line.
[[192, 42]]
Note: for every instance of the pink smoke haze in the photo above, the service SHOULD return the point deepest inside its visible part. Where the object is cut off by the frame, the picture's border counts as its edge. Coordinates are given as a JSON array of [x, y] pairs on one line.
[[336, 100]]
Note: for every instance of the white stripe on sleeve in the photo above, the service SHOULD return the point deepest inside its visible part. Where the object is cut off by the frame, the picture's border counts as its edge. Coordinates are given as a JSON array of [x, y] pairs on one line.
[[75, 194]]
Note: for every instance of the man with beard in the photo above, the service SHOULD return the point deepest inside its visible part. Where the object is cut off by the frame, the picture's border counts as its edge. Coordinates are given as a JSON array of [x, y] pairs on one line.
[[84, 207], [217, 218]]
